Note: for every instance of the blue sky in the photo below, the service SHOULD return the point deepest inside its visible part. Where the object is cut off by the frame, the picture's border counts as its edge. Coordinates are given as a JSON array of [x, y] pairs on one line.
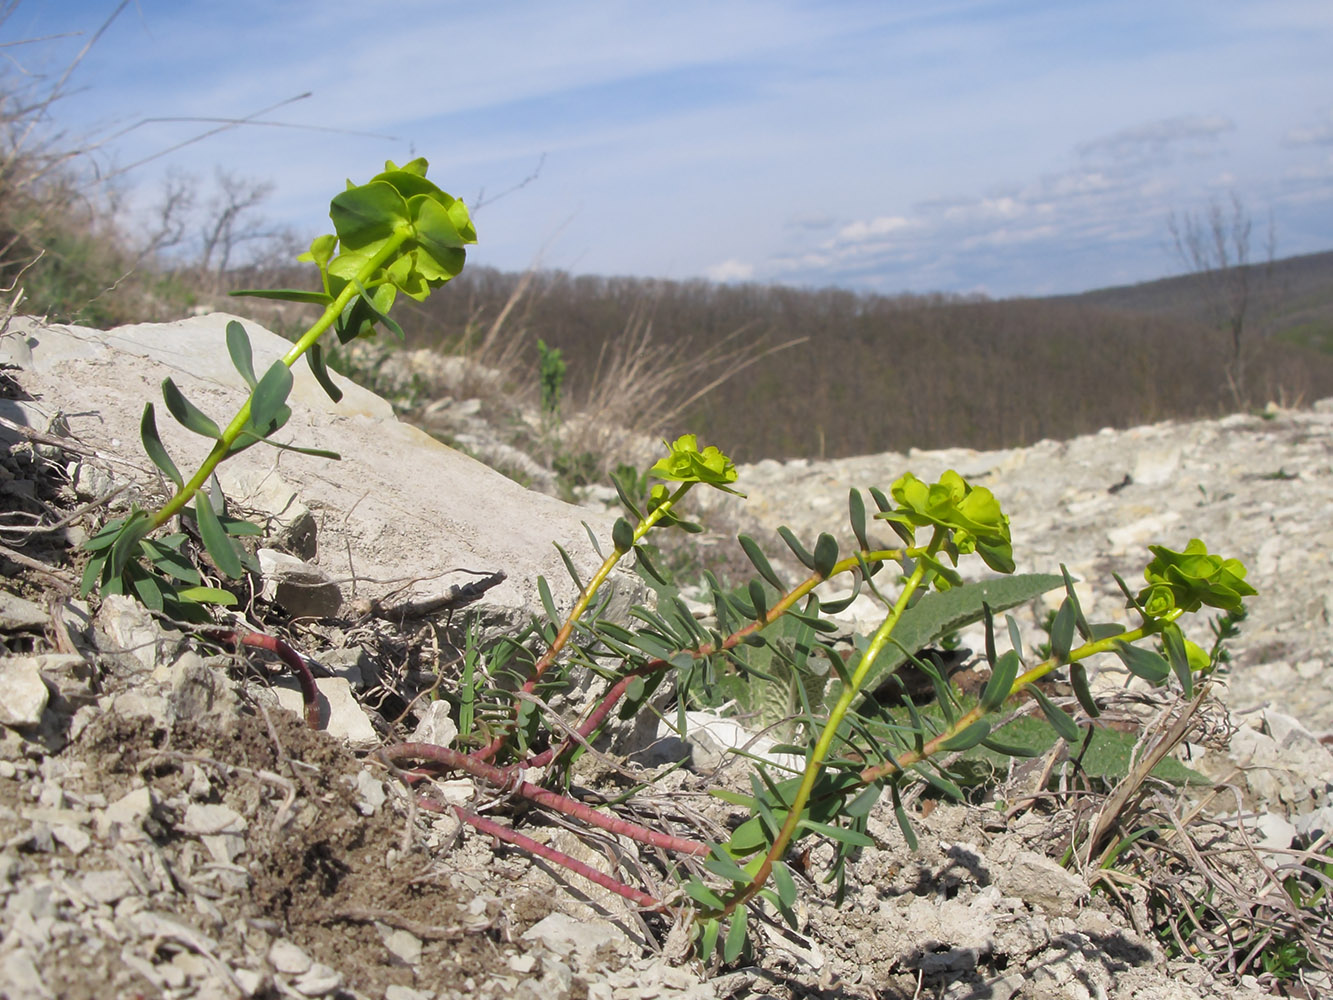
[[1006, 148]]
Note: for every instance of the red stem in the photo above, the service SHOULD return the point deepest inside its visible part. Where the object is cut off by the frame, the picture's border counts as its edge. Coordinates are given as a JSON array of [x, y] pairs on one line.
[[504, 778], [563, 860], [289, 656]]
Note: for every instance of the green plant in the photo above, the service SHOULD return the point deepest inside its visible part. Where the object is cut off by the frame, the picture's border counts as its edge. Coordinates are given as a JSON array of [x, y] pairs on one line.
[[397, 233], [551, 374], [775, 634]]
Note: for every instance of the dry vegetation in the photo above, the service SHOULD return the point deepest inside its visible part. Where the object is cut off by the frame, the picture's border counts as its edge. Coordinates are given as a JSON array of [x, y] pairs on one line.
[[994, 373]]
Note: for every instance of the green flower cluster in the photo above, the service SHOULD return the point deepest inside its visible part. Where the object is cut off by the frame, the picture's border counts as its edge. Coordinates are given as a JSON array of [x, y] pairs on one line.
[[1191, 578], [970, 514], [685, 463]]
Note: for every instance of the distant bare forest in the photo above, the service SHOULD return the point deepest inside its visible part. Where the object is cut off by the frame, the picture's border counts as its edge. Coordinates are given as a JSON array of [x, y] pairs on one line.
[[878, 373]]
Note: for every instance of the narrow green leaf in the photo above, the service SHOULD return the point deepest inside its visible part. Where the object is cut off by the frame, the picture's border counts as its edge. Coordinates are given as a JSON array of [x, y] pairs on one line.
[[905, 825], [269, 396], [216, 542], [186, 413], [722, 865], [735, 943], [622, 535], [1174, 643], [968, 737], [939, 781], [207, 595], [320, 369], [1015, 636], [238, 346], [796, 547], [708, 934], [90, 574], [786, 885], [841, 834], [756, 555], [1080, 622], [126, 545], [1001, 681], [648, 567], [548, 602], [152, 444], [735, 798], [146, 588], [1145, 663], [826, 554], [1059, 719], [860, 807], [1062, 631], [856, 512], [1105, 631], [569, 567], [1078, 679], [702, 894], [759, 599], [286, 295]]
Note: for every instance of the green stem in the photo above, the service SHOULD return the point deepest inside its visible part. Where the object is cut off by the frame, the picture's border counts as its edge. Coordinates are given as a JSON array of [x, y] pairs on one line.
[[815, 765], [222, 447], [1150, 627]]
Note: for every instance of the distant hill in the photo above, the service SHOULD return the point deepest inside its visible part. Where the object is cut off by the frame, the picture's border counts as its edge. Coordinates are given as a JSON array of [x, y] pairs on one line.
[[1293, 300]]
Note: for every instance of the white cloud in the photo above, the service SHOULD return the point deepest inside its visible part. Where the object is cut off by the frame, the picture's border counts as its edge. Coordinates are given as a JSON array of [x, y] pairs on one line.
[[1318, 134], [884, 225], [1155, 140], [731, 270]]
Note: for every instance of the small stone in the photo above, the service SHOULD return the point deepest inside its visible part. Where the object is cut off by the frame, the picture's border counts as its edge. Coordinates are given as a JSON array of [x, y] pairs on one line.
[[397, 992], [436, 727], [23, 692], [17, 614], [288, 959], [340, 714], [127, 813], [75, 840], [250, 981], [318, 980], [108, 886], [404, 946], [304, 590], [565, 936], [370, 793]]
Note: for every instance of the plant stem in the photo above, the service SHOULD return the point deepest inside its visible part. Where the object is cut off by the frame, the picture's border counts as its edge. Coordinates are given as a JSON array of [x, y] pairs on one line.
[[598, 715], [814, 766], [581, 605], [222, 447], [910, 757]]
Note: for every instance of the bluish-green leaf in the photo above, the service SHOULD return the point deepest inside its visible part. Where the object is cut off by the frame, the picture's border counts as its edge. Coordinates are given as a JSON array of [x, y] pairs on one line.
[[186, 413], [315, 359], [238, 346], [796, 547], [1078, 679], [735, 943], [1062, 631], [1059, 719], [702, 894], [269, 396], [219, 547], [622, 535], [1080, 622], [756, 555], [152, 444], [1174, 643], [826, 554], [759, 599], [969, 737], [548, 602], [1145, 663], [1001, 681], [786, 885], [856, 511], [853, 838]]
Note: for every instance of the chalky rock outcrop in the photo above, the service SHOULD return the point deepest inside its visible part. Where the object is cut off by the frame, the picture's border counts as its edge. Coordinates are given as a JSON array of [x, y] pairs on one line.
[[400, 514]]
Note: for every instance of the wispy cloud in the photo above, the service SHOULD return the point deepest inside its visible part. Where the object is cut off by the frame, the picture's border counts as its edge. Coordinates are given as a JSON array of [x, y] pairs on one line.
[[1016, 146]]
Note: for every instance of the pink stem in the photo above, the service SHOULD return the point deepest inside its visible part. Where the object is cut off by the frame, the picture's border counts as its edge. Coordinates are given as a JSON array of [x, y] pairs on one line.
[[289, 656], [563, 860], [504, 778]]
